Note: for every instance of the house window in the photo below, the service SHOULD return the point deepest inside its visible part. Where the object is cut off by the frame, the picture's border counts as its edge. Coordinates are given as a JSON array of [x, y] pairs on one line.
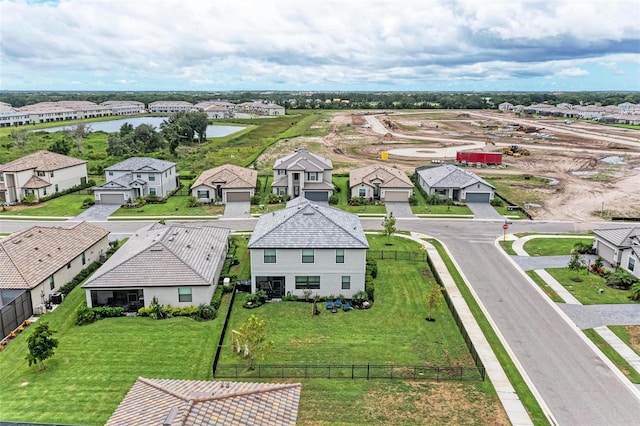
[[44, 191], [203, 194], [346, 282], [51, 174], [282, 191], [631, 264], [269, 255], [52, 283], [282, 172], [362, 192], [139, 175], [441, 191], [184, 294], [41, 174], [56, 187], [152, 177], [304, 283], [312, 176], [110, 173], [84, 258], [69, 265], [339, 255], [307, 255], [152, 191]]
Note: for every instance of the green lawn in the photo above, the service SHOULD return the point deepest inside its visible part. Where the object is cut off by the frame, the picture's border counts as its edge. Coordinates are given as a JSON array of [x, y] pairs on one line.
[[95, 365], [553, 246], [343, 193], [175, 206], [630, 334], [507, 246], [66, 205], [587, 291]]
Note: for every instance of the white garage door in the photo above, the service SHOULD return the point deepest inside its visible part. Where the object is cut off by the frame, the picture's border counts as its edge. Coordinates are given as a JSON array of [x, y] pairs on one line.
[[396, 196], [606, 252], [111, 199], [239, 196]]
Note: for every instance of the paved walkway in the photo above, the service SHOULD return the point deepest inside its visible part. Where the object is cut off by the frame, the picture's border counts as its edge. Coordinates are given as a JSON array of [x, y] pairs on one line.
[[508, 397], [597, 317]]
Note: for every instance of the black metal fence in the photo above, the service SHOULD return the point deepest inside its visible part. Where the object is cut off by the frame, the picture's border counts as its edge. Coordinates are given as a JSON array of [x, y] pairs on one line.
[[15, 312], [350, 371], [414, 256], [214, 365]]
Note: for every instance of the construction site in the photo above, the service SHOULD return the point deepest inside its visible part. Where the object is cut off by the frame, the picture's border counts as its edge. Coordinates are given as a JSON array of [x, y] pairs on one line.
[[578, 171]]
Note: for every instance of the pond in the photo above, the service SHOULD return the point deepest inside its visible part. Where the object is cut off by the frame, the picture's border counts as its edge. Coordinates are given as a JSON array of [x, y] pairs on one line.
[[112, 126]]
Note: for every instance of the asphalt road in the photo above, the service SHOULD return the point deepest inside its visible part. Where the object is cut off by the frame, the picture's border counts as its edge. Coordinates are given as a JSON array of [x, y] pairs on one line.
[[575, 384]]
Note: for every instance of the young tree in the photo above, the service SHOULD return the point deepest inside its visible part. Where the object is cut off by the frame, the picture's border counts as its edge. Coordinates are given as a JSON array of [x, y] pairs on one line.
[[432, 299], [253, 341], [41, 345], [576, 263], [61, 146], [20, 138], [389, 226]]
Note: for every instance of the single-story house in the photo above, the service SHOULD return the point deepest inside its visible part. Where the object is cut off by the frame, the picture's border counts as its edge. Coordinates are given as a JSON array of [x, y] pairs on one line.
[[380, 182], [303, 173], [225, 183], [40, 174], [137, 177], [41, 259], [307, 246], [153, 402], [178, 264], [455, 183], [619, 247]]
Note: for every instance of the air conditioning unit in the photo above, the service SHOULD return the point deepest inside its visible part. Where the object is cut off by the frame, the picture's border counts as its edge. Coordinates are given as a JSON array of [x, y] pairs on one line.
[[39, 310]]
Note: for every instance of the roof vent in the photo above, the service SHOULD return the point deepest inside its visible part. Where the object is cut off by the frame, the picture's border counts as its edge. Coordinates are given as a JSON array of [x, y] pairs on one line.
[[308, 212], [188, 245], [173, 413]]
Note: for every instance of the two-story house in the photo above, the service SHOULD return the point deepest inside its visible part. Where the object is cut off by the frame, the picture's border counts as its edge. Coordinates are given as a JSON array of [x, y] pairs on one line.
[[137, 177], [307, 246], [40, 174], [303, 174]]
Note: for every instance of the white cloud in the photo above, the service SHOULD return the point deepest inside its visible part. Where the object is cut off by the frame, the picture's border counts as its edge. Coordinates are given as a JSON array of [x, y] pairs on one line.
[[292, 42], [572, 72]]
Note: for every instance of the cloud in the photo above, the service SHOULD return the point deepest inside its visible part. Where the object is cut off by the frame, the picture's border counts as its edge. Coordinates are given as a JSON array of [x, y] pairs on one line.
[[572, 72], [192, 44]]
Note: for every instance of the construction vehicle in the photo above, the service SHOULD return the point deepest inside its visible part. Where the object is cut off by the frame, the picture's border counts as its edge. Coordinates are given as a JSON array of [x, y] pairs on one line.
[[515, 150], [489, 142]]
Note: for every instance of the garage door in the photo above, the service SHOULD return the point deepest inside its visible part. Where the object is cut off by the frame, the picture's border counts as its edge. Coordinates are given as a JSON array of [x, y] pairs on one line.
[[316, 196], [111, 198], [239, 196], [396, 196], [477, 197], [606, 252]]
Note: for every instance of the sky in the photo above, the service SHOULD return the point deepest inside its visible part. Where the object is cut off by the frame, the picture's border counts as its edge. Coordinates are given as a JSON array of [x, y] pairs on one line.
[[320, 45]]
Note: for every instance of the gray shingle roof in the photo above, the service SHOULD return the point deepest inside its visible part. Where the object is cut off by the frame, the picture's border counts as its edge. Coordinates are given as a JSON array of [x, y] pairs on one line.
[[125, 181], [620, 237], [302, 159], [141, 163], [152, 402], [28, 257], [449, 176], [303, 224], [165, 256]]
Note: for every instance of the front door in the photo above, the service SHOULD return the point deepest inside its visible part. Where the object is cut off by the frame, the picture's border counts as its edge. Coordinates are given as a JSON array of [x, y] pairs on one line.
[[278, 287]]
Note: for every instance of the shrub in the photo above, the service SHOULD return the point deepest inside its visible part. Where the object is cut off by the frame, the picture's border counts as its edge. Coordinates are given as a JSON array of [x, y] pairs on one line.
[[413, 200], [216, 300], [206, 312], [333, 200], [255, 200], [582, 248], [369, 288], [497, 202], [88, 202], [635, 292], [86, 315], [192, 201], [621, 279], [82, 275], [273, 198], [372, 268], [290, 298]]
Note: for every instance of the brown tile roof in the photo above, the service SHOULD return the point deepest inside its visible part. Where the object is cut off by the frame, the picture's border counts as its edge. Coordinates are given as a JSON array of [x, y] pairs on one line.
[[229, 175], [35, 182], [390, 176], [188, 402], [28, 257], [41, 160]]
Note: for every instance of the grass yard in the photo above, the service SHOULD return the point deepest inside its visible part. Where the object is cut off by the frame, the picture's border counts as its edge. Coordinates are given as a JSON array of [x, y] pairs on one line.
[[175, 206], [553, 246], [587, 291], [343, 193], [630, 334], [519, 189], [66, 205], [95, 365], [507, 246]]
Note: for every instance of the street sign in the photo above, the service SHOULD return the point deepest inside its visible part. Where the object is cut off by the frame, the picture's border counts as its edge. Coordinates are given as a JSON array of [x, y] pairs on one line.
[[505, 226]]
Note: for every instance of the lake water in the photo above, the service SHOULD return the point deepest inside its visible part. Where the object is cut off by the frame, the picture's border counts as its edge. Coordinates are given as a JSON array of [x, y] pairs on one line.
[[113, 126]]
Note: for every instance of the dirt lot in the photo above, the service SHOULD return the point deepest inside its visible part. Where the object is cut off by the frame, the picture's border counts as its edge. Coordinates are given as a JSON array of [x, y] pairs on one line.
[[592, 168]]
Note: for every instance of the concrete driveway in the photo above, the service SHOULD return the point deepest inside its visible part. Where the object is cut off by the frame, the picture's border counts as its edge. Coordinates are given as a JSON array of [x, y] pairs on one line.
[[237, 209], [484, 211], [399, 209], [96, 213]]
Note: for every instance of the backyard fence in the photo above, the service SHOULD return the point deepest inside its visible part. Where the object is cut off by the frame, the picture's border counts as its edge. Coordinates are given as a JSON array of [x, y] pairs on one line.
[[214, 366], [15, 312], [350, 371], [414, 256], [456, 318]]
